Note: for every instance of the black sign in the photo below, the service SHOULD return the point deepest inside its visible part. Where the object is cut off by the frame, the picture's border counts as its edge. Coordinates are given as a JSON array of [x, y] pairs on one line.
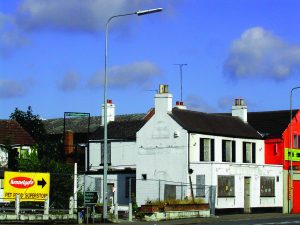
[[90, 197]]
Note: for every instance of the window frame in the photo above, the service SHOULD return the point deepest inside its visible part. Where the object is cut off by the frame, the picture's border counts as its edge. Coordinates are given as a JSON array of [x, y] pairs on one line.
[[249, 152], [265, 182], [203, 151], [231, 151], [227, 182], [200, 185]]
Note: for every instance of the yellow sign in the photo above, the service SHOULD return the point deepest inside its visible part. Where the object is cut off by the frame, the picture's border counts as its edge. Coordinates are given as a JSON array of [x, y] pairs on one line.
[[29, 186], [295, 154]]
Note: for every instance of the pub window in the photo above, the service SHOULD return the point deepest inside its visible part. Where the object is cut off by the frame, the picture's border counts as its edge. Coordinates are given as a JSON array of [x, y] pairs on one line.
[[207, 149], [228, 151], [267, 186], [170, 191], [108, 153], [225, 186], [200, 185], [249, 152]]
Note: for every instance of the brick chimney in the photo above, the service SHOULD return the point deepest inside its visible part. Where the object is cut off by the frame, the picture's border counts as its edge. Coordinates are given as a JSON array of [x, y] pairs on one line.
[[163, 100], [240, 109], [180, 105], [69, 142], [111, 110]]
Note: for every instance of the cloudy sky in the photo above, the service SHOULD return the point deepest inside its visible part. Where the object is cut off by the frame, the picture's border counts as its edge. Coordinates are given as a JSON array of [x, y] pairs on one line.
[[52, 54]]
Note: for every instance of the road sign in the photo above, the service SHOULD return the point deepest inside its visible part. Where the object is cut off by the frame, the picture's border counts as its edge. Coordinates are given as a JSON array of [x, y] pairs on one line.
[[90, 197], [30, 186]]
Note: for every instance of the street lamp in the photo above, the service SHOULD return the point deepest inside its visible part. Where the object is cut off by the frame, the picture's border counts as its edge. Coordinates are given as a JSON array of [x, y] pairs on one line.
[[291, 154], [105, 168]]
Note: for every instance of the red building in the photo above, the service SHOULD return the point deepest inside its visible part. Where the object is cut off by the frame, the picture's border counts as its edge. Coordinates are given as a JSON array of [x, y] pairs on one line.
[[276, 128]]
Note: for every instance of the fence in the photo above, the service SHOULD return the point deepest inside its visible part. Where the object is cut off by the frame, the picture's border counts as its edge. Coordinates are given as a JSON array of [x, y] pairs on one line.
[[122, 189], [149, 190], [127, 189]]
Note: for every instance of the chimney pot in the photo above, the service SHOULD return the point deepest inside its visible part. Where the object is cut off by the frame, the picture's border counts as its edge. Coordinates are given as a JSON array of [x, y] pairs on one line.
[[240, 109], [177, 103]]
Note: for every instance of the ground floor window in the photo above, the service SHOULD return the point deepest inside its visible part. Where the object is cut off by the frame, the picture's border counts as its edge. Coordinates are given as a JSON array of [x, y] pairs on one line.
[[200, 185], [267, 186], [226, 186], [170, 191]]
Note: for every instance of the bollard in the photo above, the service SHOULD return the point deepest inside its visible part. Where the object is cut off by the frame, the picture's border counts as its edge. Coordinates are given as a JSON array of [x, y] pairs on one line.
[[71, 206], [17, 205], [130, 212], [116, 213], [46, 206]]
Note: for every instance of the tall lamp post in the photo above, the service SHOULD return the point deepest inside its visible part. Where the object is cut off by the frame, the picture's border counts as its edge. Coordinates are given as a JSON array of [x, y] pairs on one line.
[[105, 168], [291, 194]]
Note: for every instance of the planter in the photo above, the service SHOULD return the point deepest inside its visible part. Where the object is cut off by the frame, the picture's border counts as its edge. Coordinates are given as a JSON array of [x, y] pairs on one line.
[[149, 208], [173, 207], [186, 207]]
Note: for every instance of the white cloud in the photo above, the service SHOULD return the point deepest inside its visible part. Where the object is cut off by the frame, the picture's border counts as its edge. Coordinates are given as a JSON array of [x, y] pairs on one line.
[[11, 38], [259, 53], [70, 82], [73, 15], [197, 103], [139, 73], [225, 103], [11, 89]]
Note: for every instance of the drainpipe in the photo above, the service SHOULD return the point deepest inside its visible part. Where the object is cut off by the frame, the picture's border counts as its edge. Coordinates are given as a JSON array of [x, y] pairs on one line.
[[190, 171]]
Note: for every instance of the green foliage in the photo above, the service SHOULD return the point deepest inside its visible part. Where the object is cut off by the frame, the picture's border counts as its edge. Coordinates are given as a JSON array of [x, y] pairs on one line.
[[30, 162], [33, 124], [46, 156]]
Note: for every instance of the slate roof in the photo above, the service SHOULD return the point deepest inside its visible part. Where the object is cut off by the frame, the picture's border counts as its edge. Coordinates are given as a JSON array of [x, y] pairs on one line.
[[120, 130], [80, 124], [11, 130], [214, 124], [271, 124]]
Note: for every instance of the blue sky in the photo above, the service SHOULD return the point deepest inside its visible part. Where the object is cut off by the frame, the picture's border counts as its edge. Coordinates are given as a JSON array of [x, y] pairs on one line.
[[52, 54]]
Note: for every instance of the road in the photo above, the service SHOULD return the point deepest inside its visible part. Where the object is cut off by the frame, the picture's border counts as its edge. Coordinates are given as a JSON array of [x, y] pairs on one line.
[[236, 219]]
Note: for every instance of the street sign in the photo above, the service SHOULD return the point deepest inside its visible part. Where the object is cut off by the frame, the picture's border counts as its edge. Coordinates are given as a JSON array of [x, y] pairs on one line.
[[90, 197], [76, 114], [29, 186]]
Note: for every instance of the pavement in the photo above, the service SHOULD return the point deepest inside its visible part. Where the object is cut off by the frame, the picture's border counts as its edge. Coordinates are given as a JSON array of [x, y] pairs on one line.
[[207, 220]]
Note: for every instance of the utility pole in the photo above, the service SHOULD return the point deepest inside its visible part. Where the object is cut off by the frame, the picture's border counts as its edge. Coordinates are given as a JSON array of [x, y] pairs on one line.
[[180, 66]]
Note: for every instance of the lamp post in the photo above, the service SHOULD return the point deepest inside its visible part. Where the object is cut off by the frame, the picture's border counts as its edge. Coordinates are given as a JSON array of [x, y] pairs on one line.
[[105, 167], [291, 154]]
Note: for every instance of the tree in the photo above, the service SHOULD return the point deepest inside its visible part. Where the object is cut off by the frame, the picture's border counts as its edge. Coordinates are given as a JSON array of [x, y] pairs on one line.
[[47, 156], [34, 125]]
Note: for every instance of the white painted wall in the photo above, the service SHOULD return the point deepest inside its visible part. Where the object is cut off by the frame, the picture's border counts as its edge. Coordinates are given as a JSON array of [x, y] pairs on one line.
[[195, 146], [161, 155], [119, 181], [123, 154], [240, 171]]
